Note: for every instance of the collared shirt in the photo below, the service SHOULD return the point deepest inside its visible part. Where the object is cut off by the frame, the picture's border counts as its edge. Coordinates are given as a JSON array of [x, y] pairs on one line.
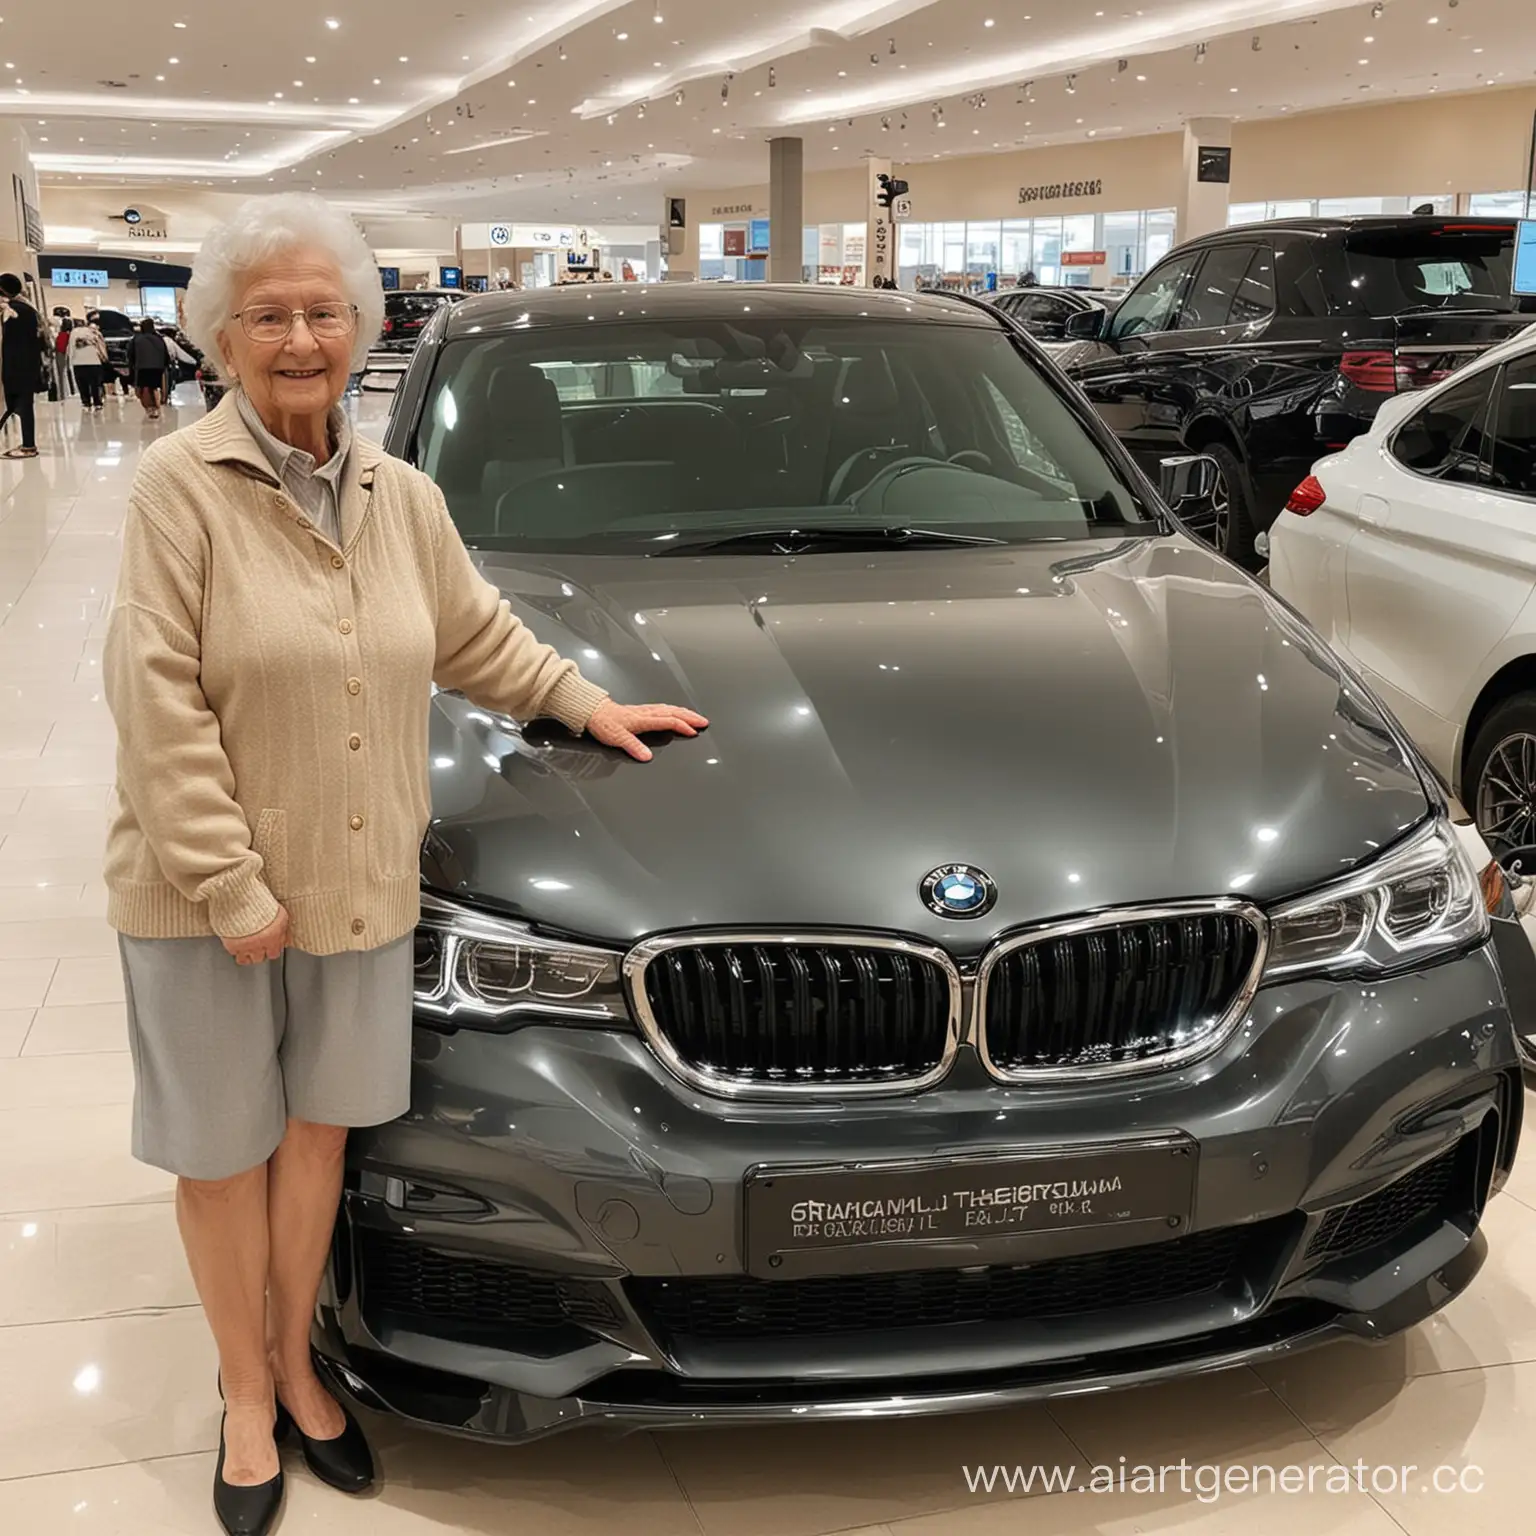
[[315, 488]]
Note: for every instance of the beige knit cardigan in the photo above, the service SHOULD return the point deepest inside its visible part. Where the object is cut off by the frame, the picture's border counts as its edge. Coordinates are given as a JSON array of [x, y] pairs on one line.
[[271, 692]]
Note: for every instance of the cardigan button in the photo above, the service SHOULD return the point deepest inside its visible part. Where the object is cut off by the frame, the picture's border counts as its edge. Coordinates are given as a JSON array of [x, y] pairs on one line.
[[337, 561], [345, 626], [354, 686], [356, 823], [358, 925], [355, 742], [305, 524]]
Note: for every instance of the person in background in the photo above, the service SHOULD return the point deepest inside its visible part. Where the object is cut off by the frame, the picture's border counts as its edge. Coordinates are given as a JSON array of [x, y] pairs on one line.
[[88, 358], [21, 364], [148, 358]]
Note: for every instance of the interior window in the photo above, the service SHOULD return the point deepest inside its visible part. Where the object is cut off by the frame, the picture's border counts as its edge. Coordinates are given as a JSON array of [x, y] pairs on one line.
[[1210, 298], [1255, 296], [1153, 306], [1445, 438], [1512, 459]]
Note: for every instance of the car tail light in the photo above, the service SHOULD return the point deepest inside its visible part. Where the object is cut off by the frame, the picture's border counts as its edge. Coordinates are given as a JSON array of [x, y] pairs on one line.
[[1307, 497], [1375, 372], [389, 325]]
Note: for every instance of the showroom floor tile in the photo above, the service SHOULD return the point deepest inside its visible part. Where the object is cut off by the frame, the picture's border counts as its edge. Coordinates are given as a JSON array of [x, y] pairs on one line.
[[108, 1415]]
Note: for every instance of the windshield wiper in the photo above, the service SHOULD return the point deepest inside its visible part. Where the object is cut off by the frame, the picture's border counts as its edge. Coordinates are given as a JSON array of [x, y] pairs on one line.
[[795, 541], [1451, 309]]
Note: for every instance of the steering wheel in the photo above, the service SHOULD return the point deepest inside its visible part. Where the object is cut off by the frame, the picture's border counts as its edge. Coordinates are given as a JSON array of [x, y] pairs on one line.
[[893, 472], [862, 459]]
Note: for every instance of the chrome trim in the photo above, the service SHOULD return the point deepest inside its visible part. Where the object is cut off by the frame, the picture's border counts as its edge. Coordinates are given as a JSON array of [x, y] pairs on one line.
[[1206, 1045], [638, 960]]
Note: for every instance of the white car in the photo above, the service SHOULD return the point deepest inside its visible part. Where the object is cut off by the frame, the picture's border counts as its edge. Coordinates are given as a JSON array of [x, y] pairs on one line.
[[1414, 552]]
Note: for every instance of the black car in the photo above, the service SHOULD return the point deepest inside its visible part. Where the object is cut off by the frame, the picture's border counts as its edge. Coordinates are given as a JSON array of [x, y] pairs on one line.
[[1044, 312], [739, 1092], [117, 330], [1269, 345], [406, 315]]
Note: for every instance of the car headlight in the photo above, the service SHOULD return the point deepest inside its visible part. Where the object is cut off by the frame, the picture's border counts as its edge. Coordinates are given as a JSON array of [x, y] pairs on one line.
[[1421, 900], [475, 971]]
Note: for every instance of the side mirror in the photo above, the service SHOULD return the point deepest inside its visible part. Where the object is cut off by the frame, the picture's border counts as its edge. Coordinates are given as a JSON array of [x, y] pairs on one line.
[[1188, 483], [1087, 325]]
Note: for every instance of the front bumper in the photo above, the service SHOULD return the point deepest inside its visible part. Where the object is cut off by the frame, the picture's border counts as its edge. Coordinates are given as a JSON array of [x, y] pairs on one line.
[[554, 1234]]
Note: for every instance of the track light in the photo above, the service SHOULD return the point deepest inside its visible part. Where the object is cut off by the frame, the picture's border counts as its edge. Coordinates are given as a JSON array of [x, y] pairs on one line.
[[1071, 85], [773, 77], [874, 58], [890, 47], [725, 88], [677, 100], [1121, 66], [1200, 52], [885, 125], [1258, 43], [1378, 11], [641, 110]]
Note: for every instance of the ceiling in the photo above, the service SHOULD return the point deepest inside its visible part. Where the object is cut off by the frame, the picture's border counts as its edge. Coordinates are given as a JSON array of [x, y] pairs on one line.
[[591, 108]]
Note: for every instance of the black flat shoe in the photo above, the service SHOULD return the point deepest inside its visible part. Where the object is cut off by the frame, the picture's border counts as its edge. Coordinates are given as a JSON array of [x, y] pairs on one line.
[[343, 1462], [245, 1511]]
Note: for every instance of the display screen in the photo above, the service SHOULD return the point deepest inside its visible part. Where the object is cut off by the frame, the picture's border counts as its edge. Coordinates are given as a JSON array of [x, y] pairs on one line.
[[757, 237], [1525, 257], [476, 284], [78, 277], [450, 277], [389, 278]]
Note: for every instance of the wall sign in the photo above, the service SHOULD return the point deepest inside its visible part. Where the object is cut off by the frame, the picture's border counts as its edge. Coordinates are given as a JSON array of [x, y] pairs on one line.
[[78, 277], [757, 238], [450, 277], [500, 234], [1055, 191], [736, 241], [730, 211], [1085, 258], [389, 278], [677, 213], [1214, 164]]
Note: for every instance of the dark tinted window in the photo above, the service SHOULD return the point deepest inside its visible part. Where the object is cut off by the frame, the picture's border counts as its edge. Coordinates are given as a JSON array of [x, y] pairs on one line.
[[1445, 438], [1042, 306], [397, 305], [654, 436], [1426, 268], [1513, 457], [1153, 305], [1210, 297], [1255, 296]]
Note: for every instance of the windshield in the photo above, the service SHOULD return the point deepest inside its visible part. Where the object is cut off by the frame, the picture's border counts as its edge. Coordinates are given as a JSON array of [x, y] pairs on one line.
[[1406, 271], [653, 437]]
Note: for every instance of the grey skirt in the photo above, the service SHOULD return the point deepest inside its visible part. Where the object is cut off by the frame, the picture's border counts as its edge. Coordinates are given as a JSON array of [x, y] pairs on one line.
[[224, 1055]]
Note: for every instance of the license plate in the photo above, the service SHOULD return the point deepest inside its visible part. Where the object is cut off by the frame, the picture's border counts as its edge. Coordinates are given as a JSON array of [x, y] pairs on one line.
[[971, 1201]]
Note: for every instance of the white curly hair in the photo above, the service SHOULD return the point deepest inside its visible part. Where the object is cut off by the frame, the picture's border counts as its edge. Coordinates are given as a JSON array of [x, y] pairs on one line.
[[261, 228]]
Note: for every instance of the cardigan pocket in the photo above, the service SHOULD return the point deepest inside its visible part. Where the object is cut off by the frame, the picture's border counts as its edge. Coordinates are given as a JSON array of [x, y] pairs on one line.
[[271, 842]]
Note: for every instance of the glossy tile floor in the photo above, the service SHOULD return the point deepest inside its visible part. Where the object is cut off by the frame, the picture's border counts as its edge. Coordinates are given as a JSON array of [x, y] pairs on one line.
[[108, 1419]]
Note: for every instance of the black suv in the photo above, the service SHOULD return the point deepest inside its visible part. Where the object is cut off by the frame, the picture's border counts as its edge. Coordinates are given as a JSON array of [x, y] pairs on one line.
[[407, 312], [1269, 345]]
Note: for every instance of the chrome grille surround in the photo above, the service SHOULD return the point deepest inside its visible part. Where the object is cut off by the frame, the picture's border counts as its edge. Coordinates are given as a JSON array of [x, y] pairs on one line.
[[1209, 1039], [639, 960]]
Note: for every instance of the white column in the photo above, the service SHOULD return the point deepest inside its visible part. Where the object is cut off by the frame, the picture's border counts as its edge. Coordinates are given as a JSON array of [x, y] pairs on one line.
[[17, 253], [880, 242], [786, 209], [1203, 204]]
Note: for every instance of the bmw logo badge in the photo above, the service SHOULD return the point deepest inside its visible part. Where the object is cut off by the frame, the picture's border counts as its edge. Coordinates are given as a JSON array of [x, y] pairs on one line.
[[958, 890]]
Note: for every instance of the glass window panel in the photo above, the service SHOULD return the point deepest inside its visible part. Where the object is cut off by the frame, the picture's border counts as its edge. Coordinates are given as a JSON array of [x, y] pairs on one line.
[[981, 247], [1046, 258]]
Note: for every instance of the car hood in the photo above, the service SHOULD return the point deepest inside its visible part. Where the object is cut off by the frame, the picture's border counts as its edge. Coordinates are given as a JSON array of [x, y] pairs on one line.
[[1092, 724]]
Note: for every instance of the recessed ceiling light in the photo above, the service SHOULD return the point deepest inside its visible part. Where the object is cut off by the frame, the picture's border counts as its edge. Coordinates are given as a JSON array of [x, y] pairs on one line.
[[623, 37], [332, 23], [159, 77], [298, 82], [405, 58], [533, 101], [377, 81], [180, 26], [351, 101], [1370, 39], [658, 18], [1364, 61], [173, 61], [1434, 21]]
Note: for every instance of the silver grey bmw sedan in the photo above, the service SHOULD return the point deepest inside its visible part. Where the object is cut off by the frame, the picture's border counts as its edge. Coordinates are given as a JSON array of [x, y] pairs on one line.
[[1050, 970]]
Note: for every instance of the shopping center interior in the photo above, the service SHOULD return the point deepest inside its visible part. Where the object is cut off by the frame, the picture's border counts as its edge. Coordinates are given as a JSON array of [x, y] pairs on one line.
[[686, 153]]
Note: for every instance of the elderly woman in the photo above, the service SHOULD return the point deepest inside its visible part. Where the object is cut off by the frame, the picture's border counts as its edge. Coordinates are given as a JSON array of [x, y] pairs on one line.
[[288, 596]]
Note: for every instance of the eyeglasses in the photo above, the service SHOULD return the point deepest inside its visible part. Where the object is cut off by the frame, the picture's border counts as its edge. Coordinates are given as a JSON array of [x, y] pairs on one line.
[[274, 322]]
